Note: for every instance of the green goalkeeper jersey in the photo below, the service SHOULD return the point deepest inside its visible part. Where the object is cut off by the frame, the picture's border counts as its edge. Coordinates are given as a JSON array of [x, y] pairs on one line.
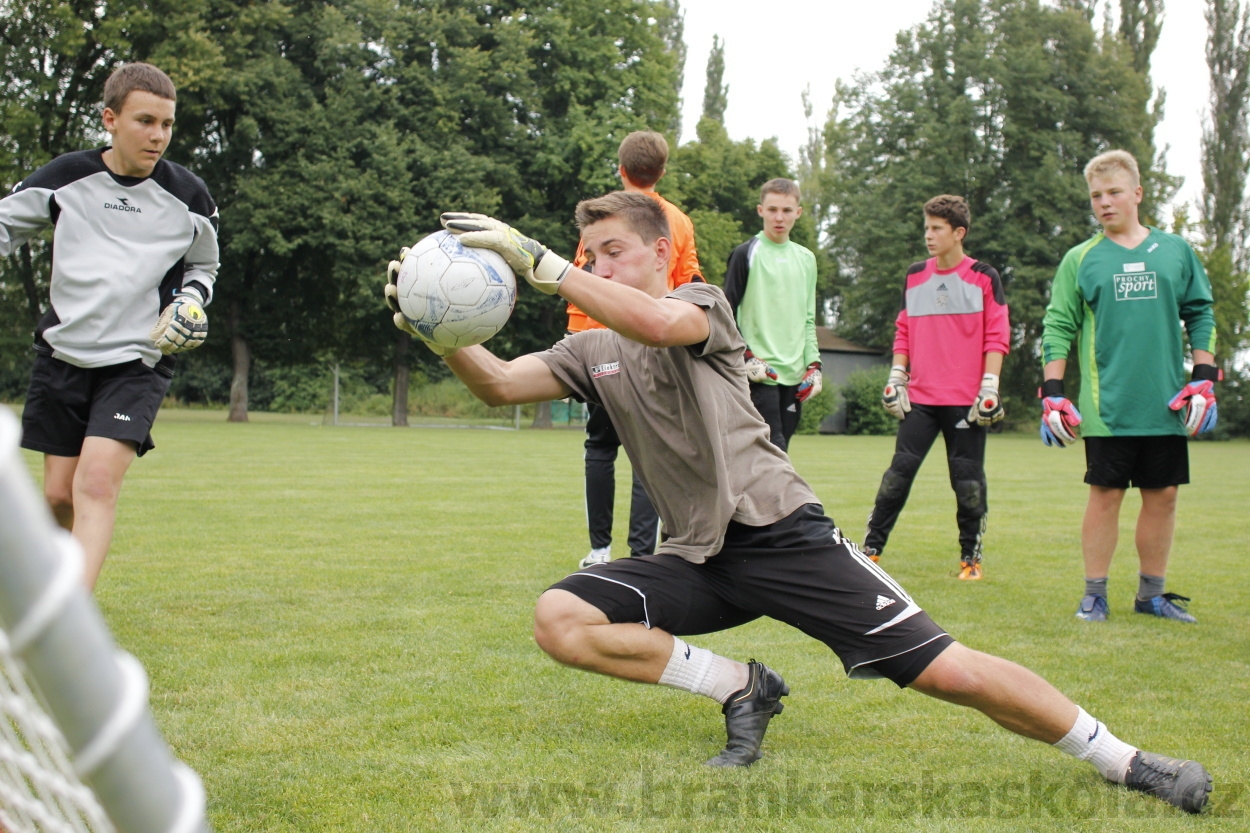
[[1125, 308], [771, 289]]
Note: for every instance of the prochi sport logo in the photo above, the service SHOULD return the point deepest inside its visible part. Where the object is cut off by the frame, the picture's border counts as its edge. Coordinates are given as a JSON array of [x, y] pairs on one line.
[[123, 204], [1136, 284]]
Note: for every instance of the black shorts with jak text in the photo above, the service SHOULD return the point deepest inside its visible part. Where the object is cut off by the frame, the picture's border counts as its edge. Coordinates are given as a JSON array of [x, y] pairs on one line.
[[67, 403]]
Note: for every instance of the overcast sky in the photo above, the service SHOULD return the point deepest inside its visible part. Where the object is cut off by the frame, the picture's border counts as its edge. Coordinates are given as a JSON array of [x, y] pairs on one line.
[[774, 50]]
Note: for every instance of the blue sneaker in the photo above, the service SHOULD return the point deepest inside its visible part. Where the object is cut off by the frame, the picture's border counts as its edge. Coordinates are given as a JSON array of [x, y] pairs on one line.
[[1165, 607], [1093, 609]]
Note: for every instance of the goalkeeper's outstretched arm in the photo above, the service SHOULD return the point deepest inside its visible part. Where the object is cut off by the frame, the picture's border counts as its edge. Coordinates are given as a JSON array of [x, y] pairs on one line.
[[497, 382], [640, 317]]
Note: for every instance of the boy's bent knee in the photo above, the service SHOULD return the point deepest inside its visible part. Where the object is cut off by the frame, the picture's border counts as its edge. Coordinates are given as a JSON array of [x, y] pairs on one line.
[[559, 618]]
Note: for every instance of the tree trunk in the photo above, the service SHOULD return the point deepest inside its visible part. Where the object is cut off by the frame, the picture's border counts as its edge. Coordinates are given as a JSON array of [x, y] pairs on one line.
[[542, 415], [242, 356], [399, 403]]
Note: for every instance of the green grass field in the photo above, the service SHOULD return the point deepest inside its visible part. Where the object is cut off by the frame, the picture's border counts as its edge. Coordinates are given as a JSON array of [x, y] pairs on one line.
[[336, 622]]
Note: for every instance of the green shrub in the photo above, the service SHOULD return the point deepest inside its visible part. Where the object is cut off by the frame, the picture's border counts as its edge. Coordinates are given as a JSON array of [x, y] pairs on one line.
[[450, 398], [862, 394]]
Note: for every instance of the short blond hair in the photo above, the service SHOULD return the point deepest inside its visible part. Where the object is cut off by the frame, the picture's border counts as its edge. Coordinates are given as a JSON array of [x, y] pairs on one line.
[[782, 186], [1111, 162]]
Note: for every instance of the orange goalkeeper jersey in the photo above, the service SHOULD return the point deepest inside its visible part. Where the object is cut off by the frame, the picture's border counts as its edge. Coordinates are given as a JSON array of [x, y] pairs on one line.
[[683, 264]]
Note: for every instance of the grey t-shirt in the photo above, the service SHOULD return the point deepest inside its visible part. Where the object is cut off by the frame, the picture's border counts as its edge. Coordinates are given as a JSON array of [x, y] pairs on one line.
[[685, 417]]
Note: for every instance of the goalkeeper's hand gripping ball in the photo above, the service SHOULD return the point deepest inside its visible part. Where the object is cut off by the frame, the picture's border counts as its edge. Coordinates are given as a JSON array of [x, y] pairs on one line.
[[542, 268]]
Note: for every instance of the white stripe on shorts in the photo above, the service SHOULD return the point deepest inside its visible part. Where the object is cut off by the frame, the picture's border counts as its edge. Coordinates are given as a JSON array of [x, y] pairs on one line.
[[646, 620], [910, 608]]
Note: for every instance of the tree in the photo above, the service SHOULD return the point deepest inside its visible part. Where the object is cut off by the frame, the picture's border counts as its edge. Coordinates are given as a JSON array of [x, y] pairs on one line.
[[717, 182], [520, 115], [715, 91], [1003, 102], [1225, 165]]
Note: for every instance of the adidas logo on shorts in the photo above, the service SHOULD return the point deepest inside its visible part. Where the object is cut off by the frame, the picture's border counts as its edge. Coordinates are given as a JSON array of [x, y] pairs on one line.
[[883, 602]]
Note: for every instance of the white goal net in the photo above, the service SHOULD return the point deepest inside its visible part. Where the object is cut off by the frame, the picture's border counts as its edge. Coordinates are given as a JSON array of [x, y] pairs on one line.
[[79, 750]]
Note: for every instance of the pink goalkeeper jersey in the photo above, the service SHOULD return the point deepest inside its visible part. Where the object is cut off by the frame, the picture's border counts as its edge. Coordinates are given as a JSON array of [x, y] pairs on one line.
[[948, 322]]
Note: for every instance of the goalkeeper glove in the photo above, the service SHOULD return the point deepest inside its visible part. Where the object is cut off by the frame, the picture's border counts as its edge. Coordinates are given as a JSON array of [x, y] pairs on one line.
[[391, 293], [183, 325], [811, 384], [758, 370], [1198, 400], [1059, 416], [988, 408], [528, 258], [894, 397]]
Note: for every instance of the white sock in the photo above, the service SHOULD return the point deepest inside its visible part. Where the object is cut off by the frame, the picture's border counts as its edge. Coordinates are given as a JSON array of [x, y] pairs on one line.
[[1090, 740], [700, 671]]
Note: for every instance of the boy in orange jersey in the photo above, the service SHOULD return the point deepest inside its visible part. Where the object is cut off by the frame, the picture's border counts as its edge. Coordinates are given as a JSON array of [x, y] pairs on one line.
[[643, 155]]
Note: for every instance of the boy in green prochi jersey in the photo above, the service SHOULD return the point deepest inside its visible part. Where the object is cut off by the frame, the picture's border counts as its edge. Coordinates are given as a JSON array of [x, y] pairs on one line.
[[1122, 295]]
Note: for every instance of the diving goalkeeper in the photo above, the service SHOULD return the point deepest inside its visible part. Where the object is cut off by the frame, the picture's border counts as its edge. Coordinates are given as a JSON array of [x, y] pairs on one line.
[[746, 536]]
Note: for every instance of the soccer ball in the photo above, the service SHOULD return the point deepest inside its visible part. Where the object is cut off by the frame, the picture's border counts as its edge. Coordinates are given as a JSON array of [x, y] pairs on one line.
[[454, 295]]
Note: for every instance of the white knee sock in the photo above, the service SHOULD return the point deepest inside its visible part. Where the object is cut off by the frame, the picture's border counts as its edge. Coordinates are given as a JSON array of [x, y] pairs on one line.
[[1090, 740], [700, 671]]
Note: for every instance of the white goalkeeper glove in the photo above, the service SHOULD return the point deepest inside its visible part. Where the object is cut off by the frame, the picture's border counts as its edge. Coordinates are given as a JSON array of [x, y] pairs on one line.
[[811, 384], [988, 408], [528, 258], [894, 396], [183, 325], [759, 372], [391, 293]]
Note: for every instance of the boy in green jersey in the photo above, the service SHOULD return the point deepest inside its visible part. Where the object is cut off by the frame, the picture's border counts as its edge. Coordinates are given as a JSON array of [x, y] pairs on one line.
[[1123, 295], [770, 283]]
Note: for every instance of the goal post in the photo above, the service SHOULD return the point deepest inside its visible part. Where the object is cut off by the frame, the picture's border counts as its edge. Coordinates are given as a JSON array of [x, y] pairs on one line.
[[79, 748]]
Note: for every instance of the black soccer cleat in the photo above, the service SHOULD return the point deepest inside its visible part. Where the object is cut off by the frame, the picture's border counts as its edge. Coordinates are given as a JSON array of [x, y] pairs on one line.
[[1184, 784], [747, 714]]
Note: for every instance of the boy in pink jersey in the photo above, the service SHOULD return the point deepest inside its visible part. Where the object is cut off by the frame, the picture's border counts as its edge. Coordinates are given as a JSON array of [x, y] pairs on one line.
[[951, 335]]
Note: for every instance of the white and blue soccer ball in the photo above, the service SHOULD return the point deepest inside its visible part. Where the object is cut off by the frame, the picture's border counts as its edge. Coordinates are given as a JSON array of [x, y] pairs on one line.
[[454, 295]]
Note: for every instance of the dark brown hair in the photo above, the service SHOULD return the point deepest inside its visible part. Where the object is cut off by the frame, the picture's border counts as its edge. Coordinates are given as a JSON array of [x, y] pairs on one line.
[[950, 208], [643, 155]]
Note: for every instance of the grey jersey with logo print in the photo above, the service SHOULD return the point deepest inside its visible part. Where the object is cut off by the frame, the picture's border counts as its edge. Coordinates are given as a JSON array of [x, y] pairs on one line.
[[122, 247], [685, 417]]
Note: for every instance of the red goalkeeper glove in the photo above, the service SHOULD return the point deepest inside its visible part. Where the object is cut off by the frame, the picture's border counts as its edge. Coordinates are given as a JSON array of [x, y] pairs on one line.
[[811, 384]]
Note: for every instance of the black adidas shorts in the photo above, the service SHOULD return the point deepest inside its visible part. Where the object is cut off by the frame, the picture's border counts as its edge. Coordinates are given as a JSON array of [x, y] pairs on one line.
[[1141, 462], [799, 571], [66, 403]]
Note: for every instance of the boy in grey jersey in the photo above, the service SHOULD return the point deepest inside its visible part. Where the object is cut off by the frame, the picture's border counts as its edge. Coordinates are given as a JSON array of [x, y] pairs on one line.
[[745, 535], [134, 259]]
